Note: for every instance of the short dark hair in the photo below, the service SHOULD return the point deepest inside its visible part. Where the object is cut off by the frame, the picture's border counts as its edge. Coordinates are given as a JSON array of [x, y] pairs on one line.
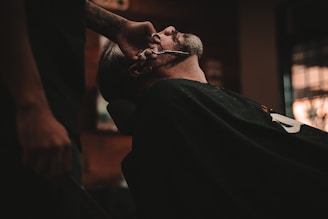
[[113, 78]]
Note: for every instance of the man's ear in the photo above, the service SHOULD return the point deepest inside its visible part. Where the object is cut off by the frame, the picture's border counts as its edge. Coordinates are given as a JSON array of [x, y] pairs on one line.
[[138, 69]]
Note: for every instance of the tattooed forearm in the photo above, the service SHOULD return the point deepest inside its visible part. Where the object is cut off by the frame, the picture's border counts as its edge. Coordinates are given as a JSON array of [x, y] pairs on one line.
[[103, 21]]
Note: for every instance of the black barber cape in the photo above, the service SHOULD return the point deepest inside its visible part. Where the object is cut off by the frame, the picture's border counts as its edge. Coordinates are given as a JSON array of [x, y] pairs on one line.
[[205, 152]]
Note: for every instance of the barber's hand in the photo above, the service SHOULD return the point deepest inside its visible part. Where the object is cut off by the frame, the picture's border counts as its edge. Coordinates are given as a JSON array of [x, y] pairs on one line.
[[45, 143], [135, 37]]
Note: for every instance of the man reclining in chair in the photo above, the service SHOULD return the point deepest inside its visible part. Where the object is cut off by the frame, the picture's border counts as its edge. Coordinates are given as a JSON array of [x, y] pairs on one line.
[[200, 151]]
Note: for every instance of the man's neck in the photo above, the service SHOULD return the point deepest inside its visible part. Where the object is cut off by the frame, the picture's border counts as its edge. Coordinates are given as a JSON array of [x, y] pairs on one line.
[[187, 69]]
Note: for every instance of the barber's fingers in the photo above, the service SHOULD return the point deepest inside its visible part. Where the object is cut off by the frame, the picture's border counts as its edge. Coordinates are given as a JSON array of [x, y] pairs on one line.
[[146, 54], [155, 38]]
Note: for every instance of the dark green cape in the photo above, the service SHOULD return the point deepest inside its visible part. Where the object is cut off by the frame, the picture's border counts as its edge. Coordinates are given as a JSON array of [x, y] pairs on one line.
[[205, 152]]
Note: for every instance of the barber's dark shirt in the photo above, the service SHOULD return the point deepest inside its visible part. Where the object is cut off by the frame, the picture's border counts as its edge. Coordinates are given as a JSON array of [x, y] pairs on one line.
[[57, 35], [57, 31], [205, 152]]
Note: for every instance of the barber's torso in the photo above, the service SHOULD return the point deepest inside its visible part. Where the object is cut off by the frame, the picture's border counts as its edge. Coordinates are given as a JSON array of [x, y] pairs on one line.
[[57, 36]]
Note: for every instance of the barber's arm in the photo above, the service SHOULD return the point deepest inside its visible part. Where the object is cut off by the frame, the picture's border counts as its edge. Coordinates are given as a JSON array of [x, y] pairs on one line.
[[45, 143], [131, 36]]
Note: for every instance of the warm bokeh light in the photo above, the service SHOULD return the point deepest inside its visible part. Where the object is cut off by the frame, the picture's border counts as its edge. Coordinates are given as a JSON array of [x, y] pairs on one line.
[[310, 85], [312, 112]]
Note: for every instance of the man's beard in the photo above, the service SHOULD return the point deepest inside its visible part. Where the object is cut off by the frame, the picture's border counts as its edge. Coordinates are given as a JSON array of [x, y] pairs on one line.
[[191, 44]]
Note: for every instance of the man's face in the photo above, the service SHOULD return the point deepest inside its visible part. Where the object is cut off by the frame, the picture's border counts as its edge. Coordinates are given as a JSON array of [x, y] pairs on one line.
[[171, 39], [174, 47]]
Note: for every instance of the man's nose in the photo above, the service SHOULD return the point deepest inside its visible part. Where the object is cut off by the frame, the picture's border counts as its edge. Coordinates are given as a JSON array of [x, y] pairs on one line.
[[169, 30]]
